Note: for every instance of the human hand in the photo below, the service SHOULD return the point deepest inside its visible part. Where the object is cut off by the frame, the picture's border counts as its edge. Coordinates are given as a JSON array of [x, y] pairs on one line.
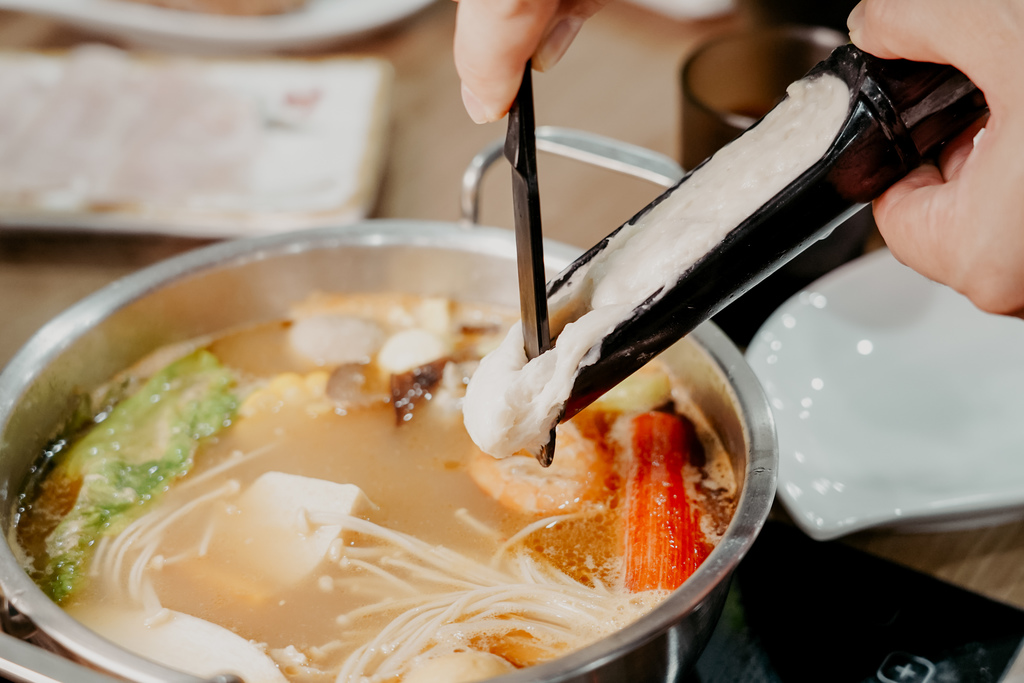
[[495, 38], [960, 223]]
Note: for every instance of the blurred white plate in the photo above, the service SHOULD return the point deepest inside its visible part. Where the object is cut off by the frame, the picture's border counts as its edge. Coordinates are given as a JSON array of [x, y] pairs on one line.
[[682, 10], [319, 23], [315, 166], [897, 402]]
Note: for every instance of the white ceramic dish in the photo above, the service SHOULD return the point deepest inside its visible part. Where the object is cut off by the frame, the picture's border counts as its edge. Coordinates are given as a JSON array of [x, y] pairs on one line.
[[320, 23], [897, 403], [312, 165]]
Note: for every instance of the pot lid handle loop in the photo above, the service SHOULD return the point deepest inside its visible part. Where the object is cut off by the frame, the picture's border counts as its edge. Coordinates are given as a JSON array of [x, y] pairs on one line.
[[582, 146]]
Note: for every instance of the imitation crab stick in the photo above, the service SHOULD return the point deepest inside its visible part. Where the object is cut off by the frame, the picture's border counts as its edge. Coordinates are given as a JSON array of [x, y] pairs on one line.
[[663, 541]]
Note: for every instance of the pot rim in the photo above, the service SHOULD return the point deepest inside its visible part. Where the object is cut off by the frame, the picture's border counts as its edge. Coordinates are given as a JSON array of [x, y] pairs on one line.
[[57, 335]]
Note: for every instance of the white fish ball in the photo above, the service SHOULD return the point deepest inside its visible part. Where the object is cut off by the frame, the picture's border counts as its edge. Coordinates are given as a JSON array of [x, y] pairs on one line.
[[459, 667]]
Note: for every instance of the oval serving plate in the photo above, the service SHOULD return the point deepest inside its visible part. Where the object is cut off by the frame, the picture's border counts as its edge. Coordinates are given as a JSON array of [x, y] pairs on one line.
[[313, 158], [898, 403], [318, 23]]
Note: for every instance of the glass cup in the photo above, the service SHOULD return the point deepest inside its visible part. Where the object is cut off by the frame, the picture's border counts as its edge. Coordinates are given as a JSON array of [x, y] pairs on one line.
[[831, 13], [732, 81]]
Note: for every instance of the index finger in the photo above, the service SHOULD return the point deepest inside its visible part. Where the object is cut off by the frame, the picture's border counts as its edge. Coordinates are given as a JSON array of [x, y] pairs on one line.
[[493, 41]]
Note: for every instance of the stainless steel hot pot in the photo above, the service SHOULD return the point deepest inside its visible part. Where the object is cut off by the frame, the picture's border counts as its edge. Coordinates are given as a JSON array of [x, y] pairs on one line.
[[248, 281]]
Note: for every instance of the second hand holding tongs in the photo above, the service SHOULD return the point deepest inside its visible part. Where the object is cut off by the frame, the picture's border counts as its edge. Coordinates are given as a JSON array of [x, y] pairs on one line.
[[521, 151]]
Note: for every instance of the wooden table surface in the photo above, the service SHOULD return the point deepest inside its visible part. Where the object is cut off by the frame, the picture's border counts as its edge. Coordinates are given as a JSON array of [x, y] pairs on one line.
[[619, 79]]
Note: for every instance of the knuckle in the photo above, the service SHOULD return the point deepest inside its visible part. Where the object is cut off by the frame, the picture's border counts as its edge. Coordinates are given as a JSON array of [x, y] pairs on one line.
[[996, 289], [997, 299]]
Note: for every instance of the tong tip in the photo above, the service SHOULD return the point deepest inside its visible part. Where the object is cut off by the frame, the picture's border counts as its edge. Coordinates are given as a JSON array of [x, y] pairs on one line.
[[546, 454]]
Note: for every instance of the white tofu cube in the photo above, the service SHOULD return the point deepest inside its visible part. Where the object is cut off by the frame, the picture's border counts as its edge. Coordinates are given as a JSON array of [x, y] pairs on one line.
[[269, 531], [411, 348], [435, 315]]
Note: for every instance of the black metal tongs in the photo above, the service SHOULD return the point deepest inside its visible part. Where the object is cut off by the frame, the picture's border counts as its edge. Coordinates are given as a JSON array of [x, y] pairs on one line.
[[521, 151], [900, 114]]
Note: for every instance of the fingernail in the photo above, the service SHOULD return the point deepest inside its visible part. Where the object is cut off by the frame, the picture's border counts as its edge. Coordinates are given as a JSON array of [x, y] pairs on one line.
[[474, 107], [855, 22], [556, 43]]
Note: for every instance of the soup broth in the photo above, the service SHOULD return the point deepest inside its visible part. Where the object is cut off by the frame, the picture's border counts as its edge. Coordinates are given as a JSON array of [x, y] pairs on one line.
[[335, 522]]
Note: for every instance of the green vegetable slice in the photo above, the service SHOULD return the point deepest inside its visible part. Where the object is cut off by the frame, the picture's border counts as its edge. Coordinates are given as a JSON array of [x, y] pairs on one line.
[[147, 441]]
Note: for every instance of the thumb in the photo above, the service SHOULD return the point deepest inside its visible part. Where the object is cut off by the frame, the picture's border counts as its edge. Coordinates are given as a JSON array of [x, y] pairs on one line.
[[905, 215]]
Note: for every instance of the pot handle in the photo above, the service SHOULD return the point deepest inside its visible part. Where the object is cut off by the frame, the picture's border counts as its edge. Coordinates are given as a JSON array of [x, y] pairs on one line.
[[27, 663], [24, 662], [590, 148]]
